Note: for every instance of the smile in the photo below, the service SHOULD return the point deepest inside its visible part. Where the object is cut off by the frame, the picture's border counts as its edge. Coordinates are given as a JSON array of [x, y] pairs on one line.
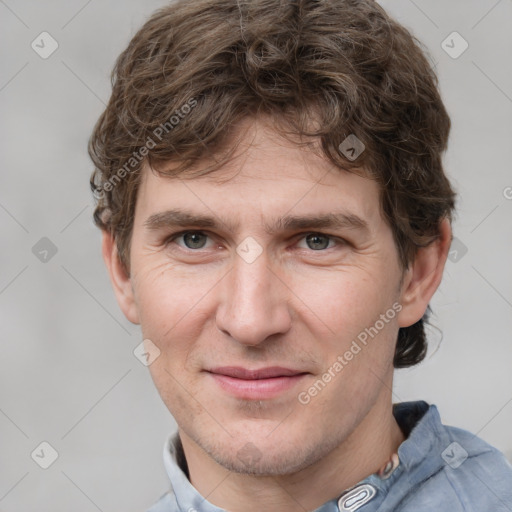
[[258, 384]]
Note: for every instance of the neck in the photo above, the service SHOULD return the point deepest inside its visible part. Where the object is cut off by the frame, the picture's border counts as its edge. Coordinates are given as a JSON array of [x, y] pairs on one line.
[[368, 448]]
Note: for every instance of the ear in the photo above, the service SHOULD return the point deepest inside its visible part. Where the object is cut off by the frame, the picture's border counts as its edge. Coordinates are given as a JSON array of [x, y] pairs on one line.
[[423, 277], [121, 282]]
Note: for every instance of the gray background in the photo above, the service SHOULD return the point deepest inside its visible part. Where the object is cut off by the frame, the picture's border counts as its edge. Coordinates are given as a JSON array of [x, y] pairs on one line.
[[67, 372]]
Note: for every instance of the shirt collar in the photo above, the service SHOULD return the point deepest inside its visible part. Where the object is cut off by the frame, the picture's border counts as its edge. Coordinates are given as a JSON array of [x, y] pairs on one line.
[[187, 497], [419, 421]]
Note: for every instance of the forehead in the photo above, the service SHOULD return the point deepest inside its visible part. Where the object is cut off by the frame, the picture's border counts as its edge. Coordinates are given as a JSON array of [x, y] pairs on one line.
[[267, 176]]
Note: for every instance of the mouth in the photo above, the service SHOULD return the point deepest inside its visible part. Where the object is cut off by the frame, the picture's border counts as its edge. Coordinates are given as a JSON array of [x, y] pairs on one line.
[[258, 384]]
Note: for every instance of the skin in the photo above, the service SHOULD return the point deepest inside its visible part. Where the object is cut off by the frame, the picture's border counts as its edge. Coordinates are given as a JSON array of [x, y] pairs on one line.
[[298, 305]]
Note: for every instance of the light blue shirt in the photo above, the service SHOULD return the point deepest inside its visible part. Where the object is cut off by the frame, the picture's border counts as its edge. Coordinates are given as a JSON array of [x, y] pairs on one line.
[[440, 468]]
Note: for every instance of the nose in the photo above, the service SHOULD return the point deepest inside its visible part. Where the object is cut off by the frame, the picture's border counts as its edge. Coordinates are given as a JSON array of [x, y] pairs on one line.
[[254, 303]]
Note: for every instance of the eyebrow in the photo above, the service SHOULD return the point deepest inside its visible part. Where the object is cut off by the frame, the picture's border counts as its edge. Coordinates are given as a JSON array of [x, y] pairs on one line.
[[184, 218]]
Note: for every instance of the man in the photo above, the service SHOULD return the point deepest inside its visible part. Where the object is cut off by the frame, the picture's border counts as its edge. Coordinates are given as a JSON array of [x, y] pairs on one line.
[[276, 217]]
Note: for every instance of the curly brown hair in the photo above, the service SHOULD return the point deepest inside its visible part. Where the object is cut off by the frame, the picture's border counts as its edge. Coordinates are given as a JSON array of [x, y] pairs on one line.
[[198, 67]]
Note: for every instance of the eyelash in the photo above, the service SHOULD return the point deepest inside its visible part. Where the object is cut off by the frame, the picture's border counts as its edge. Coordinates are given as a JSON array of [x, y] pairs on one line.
[[171, 238]]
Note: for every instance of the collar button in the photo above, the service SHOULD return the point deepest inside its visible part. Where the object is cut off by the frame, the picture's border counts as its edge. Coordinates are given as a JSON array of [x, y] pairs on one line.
[[356, 497]]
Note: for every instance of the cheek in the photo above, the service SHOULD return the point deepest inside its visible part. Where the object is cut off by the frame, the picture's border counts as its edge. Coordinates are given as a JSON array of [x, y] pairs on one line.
[[166, 296], [173, 315], [173, 310], [343, 311], [341, 303]]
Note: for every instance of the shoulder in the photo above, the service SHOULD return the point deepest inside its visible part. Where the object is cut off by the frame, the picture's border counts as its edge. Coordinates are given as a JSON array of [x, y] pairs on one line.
[[457, 471], [481, 482], [477, 472]]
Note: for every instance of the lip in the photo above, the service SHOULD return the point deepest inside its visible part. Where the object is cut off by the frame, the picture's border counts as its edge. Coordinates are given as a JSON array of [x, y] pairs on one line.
[[258, 384]]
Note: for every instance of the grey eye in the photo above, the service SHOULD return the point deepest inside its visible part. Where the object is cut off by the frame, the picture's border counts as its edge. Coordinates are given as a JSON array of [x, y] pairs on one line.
[[317, 241], [195, 240]]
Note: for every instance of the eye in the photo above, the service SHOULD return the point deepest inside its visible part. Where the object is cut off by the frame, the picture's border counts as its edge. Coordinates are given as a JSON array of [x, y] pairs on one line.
[[319, 241], [190, 239]]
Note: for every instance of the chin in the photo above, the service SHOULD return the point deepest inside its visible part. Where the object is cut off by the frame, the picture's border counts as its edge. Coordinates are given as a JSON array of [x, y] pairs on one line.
[[266, 457], [263, 464]]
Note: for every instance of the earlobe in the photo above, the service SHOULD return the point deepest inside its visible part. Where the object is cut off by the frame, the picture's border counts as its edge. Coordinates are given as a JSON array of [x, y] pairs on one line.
[[423, 277], [121, 282]]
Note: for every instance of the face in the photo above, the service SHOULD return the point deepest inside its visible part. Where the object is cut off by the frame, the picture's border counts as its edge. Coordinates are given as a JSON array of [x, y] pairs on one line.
[[271, 288]]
